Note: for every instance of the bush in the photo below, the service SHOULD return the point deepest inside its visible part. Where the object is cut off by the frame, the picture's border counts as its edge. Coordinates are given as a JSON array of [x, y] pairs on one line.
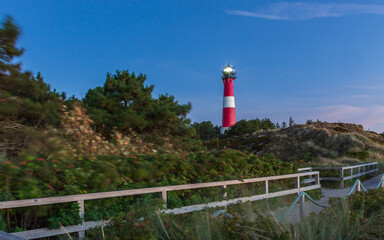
[[362, 155], [40, 177], [249, 126]]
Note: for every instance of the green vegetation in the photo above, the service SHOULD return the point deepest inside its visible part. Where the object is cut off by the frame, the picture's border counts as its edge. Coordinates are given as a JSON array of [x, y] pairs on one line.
[[359, 217], [317, 142], [247, 127], [206, 130], [124, 103], [43, 177], [27, 103], [362, 155]]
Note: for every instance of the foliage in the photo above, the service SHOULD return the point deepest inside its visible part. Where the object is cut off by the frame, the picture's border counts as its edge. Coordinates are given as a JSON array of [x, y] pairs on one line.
[[362, 155], [43, 178], [80, 139], [27, 103], [9, 33], [249, 126], [206, 130], [125, 104], [291, 122], [359, 217], [238, 223], [307, 157], [309, 122], [372, 203], [322, 141]]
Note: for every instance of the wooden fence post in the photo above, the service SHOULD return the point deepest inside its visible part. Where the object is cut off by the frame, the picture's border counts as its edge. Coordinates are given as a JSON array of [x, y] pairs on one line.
[[81, 213], [342, 178], [225, 191], [265, 186], [317, 179], [297, 183], [163, 195]]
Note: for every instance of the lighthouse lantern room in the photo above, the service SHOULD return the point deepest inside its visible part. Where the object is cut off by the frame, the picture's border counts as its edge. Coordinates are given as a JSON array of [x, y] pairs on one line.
[[229, 113]]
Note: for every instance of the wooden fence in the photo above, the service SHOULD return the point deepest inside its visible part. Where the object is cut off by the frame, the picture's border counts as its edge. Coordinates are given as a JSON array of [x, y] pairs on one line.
[[297, 178], [347, 172]]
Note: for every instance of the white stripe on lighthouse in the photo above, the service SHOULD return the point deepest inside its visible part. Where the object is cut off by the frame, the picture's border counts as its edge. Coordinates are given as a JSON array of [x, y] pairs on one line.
[[229, 102], [222, 130]]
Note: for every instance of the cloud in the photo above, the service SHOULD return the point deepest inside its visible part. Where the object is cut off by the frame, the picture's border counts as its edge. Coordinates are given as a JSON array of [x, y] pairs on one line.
[[305, 11], [371, 117]]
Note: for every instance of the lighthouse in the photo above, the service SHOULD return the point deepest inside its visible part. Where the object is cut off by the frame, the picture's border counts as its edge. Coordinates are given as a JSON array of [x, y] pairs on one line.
[[229, 113]]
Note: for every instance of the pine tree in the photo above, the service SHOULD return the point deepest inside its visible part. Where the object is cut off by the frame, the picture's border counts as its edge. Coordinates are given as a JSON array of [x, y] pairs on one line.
[[247, 127], [206, 130], [27, 103], [8, 50], [124, 103], [291, 121]]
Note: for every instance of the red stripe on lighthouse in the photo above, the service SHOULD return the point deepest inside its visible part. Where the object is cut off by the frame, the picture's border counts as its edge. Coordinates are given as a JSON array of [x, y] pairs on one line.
[[228, 87], [229, 117]]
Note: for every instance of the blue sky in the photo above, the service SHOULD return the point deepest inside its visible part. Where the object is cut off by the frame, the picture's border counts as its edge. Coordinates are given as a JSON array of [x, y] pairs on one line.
[[309, 60]]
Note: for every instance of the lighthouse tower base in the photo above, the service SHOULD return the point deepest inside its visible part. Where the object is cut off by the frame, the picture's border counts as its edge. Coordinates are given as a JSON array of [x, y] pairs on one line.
[[222, 130]]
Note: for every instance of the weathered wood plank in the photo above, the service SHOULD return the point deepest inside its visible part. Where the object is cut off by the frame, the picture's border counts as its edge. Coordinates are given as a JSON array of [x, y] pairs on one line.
[[332, 178], [349, 177], [304, 169], [9, 236], [199, 207], [338, 168], [360, 165], [360, 174], [309, 180], [46, 232], [326, 168]]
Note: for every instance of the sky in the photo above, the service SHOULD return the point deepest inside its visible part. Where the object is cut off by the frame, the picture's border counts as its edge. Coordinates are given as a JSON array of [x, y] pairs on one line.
[[306, 60]]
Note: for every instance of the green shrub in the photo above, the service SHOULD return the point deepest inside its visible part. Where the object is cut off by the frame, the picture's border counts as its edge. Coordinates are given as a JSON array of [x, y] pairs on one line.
[[39, 177], [362, 155]]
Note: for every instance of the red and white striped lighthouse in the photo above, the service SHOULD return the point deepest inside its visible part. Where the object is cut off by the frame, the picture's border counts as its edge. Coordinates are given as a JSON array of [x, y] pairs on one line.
[[229, 113]]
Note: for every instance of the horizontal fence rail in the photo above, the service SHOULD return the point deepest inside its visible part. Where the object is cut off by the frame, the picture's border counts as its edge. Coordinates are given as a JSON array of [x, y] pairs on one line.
[[353, 170], [8, 236], [298, 178]]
